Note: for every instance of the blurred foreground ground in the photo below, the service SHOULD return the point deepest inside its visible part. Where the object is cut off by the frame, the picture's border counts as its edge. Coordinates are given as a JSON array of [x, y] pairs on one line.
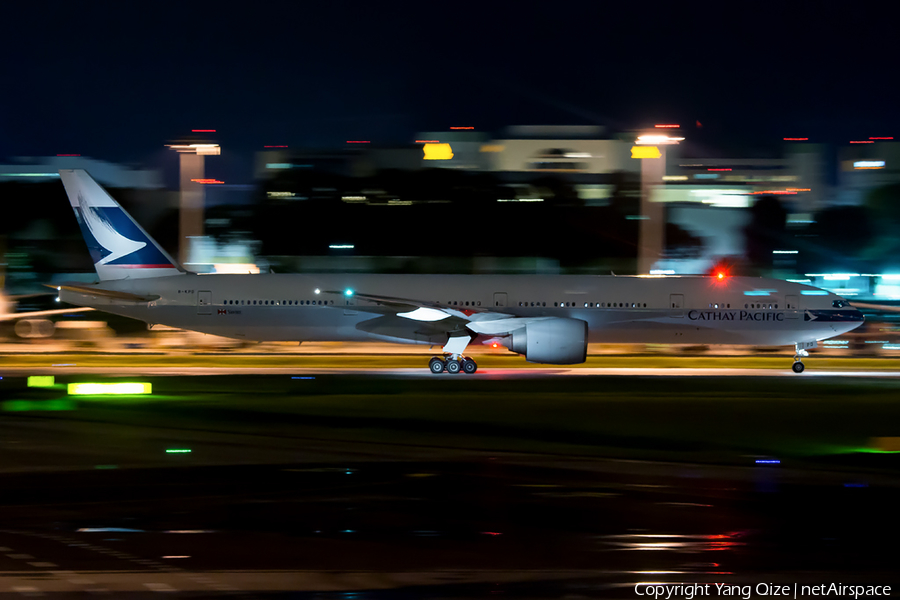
[[381, 486]]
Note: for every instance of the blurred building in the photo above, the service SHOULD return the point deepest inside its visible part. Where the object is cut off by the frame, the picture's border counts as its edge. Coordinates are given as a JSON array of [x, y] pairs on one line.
[[865, 165]]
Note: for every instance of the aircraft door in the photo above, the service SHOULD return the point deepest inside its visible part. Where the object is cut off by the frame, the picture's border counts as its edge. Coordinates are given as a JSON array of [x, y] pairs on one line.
[[499, 298], [676, 303], [792, 304], [204, 303], [349, 303]]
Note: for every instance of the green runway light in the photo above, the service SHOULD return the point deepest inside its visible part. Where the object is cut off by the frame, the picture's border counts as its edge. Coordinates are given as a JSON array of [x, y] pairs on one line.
[[28, 405], [93, 389], [106, 467], [178, 451], [41, 381]]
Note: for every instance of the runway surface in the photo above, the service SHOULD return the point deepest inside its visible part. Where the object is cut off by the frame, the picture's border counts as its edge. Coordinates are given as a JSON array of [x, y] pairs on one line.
[[490, 373]]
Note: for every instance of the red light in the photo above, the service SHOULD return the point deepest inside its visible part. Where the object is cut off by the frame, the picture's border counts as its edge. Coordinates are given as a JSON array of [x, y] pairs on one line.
[[428, 142], [358, 142], [274, 146], [68, 155], [667, 126], [720, 275], [881, 138], [862, 142], [796, 139], [462, 128], [206, 181], [203, 130], [495, 345], [718, 169]]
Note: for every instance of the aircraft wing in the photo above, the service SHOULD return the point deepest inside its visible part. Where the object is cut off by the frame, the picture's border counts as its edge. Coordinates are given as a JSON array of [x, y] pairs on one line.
[[101, 293], [441, 317]]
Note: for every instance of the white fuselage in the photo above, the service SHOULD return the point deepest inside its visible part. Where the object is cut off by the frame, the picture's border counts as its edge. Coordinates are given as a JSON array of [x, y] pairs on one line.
[[670, 310]]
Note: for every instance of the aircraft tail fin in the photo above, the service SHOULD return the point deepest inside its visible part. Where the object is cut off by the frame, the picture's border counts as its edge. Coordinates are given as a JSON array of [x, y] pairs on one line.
[[120, 248]]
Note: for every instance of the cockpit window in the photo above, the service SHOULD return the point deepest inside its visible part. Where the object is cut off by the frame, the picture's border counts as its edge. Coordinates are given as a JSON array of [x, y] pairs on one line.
[[840, 304]]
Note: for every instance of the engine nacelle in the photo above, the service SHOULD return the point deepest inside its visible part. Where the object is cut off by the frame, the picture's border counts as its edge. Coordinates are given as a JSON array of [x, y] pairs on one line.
[[552, 341]]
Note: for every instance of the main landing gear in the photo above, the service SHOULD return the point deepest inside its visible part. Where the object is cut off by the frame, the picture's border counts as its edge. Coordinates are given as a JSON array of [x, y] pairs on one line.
[[799, 354], [452, 364]]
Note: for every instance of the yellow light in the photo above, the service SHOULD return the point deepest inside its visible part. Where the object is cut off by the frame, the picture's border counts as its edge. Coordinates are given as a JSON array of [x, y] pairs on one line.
[[93, 389], [41, 381], [438, 151], [645, 152]]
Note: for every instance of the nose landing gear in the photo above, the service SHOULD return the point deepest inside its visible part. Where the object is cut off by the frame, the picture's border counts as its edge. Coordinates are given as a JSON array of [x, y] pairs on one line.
[[799, 354]]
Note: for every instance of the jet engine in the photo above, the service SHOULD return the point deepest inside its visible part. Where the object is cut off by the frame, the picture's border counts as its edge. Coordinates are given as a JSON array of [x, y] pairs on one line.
[[551, 341]]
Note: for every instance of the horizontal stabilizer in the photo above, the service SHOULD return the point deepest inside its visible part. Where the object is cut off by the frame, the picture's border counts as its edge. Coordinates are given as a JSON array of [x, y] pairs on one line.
[[101, 293], [42, 313]]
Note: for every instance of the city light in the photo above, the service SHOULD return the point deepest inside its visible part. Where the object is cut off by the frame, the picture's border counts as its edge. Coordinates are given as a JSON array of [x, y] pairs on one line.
[[437, 152], [341, 246], [658, 139], [645, 152], [868, 164], [462, 128], [207, 181]]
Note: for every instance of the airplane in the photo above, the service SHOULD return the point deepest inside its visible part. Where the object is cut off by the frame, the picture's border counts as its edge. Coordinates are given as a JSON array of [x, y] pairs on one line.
[[548, 319]]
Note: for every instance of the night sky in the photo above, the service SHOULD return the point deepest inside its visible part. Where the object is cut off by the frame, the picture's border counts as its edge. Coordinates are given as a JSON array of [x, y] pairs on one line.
[[118, 80]]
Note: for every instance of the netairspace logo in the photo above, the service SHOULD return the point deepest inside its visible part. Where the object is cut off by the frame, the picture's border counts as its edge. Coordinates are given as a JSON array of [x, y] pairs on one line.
[[689, 591]]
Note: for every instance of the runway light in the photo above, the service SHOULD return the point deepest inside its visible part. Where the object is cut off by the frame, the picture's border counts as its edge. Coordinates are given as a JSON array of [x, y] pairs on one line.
[[96, 389], [41, 381], [317, 291]]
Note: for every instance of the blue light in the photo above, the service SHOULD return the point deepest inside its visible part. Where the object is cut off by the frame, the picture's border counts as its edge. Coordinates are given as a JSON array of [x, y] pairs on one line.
[[348, 292], [302, 377], [813, 293], [766, 461], [856, 485]]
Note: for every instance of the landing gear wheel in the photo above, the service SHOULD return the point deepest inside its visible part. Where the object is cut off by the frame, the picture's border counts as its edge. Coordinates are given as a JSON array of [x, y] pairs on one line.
[[436, 365], [453, 366], [469, 366], [797, 367]]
